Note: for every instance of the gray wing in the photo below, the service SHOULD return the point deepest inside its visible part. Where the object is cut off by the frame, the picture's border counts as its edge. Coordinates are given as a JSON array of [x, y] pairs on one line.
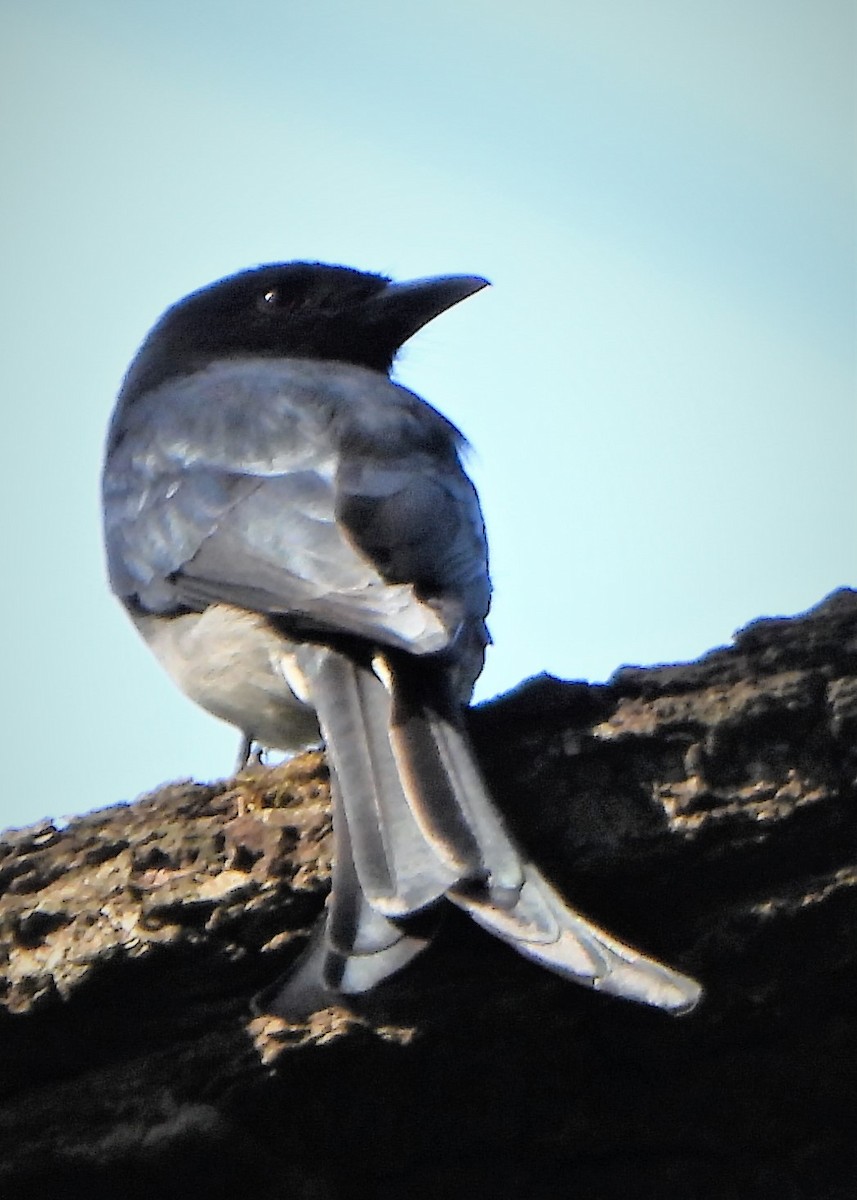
[[316, 490]]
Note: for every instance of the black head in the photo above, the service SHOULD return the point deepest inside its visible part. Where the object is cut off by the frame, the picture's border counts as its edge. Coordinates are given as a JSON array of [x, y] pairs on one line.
[[293, 310]]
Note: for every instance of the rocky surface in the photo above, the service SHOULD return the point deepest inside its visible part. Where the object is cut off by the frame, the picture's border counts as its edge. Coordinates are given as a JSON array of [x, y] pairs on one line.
[[705, 812]]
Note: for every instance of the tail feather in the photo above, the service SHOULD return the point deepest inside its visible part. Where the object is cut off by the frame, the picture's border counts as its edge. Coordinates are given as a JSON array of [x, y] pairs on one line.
[[400, 870], [354, 926], [323, 974], [442, 782], [413, 822], [354, 947], [579, 950]]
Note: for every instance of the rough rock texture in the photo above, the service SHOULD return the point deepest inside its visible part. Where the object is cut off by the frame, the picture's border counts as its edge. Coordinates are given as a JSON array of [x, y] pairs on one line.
[[705, 812]]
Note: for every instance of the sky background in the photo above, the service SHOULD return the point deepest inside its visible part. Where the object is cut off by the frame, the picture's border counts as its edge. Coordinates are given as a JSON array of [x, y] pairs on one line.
[[660, 388]]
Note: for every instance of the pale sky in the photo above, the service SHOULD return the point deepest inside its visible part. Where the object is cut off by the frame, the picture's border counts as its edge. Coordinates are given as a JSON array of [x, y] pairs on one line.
[[660, 388]]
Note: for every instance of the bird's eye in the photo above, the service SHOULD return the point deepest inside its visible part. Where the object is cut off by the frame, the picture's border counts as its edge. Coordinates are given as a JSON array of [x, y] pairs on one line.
[[269, 299]]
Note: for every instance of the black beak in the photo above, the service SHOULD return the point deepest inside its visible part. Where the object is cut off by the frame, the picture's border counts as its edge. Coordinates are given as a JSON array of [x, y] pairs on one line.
[[403, 308]]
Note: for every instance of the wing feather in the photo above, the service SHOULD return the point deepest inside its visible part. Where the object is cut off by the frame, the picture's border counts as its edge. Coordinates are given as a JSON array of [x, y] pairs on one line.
[[339, 498]]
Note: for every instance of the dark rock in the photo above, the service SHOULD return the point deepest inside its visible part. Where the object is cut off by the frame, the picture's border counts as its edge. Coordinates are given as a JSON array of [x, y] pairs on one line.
[[705, 812]]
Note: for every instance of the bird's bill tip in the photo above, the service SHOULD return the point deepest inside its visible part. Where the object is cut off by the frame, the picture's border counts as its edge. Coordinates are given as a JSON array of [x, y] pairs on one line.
[[413, 303]]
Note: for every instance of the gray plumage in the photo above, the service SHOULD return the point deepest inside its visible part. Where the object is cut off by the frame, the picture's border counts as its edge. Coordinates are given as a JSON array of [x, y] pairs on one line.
[[295, 537]]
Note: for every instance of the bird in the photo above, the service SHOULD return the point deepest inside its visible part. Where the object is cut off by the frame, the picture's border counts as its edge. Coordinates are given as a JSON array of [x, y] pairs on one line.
[[295, 537]]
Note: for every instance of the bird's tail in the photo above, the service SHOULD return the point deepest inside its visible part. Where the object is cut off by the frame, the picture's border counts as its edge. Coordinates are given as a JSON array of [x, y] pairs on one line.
[[413, 822]]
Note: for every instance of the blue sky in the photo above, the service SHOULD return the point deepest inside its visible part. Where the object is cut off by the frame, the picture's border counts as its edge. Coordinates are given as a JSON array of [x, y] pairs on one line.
[[660, 388]]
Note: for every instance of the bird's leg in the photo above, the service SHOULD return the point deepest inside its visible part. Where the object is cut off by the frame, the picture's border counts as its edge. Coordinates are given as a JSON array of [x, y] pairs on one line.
[[247, 754]]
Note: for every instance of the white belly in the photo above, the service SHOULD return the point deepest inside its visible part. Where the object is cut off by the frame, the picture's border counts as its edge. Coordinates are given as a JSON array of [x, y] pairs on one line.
[[232, 663]]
